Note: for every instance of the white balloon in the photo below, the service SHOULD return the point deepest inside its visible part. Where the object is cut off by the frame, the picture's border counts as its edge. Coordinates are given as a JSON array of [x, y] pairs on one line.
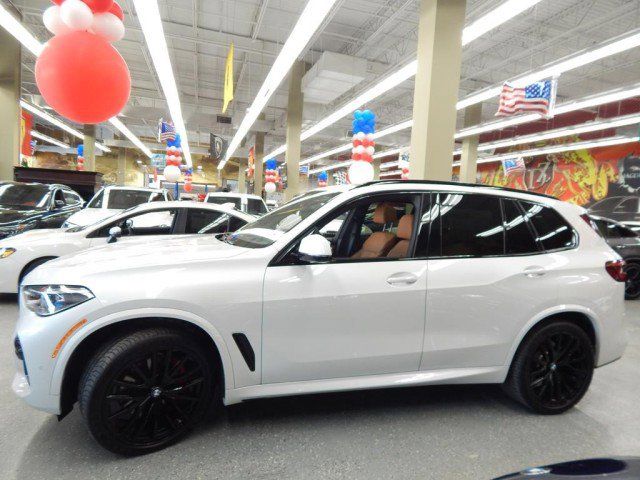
[[108, 26], [354, 150], [171, 172], [52, 20], [360, 172], [269, 187], [371, 150], [76, 15], [360, 135], [369, 137], [360, 149]]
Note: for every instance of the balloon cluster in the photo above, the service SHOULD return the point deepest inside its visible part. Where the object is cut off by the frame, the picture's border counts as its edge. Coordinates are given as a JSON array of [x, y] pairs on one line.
[[270, 175], [79, 73], [364, 126], [322, 179], [404, 166], [174, 160], [188, 178], [80, 165]]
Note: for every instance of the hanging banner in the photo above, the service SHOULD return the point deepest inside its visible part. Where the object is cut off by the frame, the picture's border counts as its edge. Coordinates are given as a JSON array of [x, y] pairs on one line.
[[217, 147], [228, 80], [251, 162], [26, 124]]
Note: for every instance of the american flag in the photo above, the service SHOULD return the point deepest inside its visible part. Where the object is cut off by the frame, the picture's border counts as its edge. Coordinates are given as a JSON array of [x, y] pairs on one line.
[[340, 177], [512, 165], [166, 131], [538, 97]]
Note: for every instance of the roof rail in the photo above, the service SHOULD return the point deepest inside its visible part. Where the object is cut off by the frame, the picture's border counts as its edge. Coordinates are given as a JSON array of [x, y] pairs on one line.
[[461, 184]]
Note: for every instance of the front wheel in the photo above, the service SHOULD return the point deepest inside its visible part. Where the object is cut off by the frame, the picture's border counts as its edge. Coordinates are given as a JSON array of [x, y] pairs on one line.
[[146, 390], [632, 287], [552, 369]]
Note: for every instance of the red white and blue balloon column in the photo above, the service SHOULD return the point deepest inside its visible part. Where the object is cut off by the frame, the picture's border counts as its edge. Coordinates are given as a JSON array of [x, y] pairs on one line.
[[270, 175], [364, 126], [80, 164], [188, 179], [172, 171], [79, 73], [322, 179]]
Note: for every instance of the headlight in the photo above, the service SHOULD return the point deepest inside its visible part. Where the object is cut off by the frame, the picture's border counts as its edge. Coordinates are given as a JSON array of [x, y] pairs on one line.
[[46, 300], [6, 252]]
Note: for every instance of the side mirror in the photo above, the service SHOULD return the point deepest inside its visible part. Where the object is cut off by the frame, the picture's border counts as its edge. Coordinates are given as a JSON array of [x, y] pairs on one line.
[[314, 249], [114, 234]]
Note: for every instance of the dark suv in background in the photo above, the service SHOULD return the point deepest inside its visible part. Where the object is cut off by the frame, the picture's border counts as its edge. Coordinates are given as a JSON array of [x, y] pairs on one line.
[[621, 209]]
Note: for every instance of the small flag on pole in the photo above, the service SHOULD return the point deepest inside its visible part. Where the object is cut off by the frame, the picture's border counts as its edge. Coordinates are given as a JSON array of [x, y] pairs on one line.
[[513, 165], [228, 80], [538, 97], [166, 131]]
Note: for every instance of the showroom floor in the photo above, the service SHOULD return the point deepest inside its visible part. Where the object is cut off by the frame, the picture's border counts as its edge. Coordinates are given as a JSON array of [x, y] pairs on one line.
[[424, 433]]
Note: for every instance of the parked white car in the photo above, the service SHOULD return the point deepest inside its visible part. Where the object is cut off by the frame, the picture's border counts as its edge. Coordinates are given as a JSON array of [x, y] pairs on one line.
[[245, 202], [22, 253], [113, 199], [423, 283]]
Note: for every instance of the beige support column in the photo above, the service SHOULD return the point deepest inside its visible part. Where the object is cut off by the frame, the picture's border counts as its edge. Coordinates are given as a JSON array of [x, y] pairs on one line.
[[469, 158], [376, 168], [242, 178], [10, 121], [294, 127], [121, 175], [89, 148], [258, 174], [436, 88]]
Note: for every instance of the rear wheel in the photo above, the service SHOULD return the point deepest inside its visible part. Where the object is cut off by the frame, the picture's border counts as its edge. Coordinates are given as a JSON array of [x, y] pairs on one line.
[[632, 287], [146, 390], [552, 369]]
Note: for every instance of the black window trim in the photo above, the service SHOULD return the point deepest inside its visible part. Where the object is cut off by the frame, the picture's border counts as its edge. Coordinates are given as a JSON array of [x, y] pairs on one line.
[[576, 235], [276, 261]]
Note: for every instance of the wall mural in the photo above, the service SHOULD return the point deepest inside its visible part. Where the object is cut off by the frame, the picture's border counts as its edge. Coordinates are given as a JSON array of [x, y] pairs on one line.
[[582, 177]]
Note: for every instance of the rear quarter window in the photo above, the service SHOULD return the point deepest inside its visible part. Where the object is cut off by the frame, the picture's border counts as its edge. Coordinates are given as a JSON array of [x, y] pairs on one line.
[[552, 231]]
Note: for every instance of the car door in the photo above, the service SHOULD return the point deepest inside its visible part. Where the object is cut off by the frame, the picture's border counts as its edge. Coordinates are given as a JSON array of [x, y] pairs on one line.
[[58, 211], [489, 274], [146, 224], [350, 316]]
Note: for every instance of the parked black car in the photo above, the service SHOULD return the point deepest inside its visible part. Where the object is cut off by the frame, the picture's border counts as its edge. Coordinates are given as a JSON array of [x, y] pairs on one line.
[[25, 206], [621, 209], [621, 468], [627, 243]]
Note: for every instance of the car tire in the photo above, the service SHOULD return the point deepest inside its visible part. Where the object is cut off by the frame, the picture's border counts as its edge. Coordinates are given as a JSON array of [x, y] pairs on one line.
[[32, 266], [552, 368], [147, 390], [632, 287]]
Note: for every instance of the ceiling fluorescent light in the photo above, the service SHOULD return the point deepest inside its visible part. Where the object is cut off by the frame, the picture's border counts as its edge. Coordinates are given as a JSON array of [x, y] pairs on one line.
[[391, 173], [605, 142], [328, 168], [127, 133], [54, 121], [556, 68], [494, 18], [310, 20], [48, 139], [12, 25], [149, 17], [328, 153], [388, 165]]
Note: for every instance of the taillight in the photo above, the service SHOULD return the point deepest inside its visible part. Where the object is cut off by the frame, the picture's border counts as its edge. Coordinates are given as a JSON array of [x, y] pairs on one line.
[[590, 222], [617, 270]]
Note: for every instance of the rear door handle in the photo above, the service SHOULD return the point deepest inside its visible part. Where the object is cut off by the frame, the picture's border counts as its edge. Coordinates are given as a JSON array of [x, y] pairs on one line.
[[533, 272], [402, 279]]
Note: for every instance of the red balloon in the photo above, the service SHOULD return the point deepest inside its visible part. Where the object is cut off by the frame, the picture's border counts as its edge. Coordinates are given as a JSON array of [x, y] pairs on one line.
[[117, 11], [83, 78], [57, 2], [188, 187], [99, 6], [357, 143], [356, 156]]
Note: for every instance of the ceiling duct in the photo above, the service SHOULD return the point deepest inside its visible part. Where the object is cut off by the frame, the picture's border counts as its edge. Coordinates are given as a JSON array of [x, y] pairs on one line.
[[332, 75]]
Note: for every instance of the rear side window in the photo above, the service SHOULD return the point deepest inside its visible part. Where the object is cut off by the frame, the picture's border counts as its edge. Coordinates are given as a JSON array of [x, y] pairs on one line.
[[553, 231], [205, 221], [256, 207], [96, 202], [519, 235]]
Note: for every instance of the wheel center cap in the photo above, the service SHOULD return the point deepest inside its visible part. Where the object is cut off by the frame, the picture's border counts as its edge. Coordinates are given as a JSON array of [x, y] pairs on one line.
[[156, 392], [553, 367]]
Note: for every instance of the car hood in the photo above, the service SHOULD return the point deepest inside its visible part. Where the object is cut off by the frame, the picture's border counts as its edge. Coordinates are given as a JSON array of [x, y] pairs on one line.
[[9, 216], [89, 216], [45, 236]]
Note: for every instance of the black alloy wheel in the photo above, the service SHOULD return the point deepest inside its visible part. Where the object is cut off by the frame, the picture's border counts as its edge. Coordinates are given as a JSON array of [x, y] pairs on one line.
[[553, 368], [146, 391], [632, 287]]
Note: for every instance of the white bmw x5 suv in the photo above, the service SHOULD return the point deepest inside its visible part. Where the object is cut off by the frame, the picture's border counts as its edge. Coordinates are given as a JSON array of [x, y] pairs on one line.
[[416, 283]]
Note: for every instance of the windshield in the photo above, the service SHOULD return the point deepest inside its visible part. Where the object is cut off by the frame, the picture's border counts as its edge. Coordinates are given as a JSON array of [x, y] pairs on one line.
[[220, 200], [266, 230], [123, 199], [24, 196]]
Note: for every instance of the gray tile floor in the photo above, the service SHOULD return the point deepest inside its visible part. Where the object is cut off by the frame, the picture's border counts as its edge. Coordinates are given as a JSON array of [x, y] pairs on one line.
[[421, 433]]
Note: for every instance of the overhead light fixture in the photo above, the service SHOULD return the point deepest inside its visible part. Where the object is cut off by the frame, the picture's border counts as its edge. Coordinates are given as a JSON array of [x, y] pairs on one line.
[[328, 168], [556, 68], [310, 20], [12, 25], [115, 121], [391, 173], [54, 121], [388, 165], [496, 17], [48, 139], [595, 126], [605, 142], [151, 22]]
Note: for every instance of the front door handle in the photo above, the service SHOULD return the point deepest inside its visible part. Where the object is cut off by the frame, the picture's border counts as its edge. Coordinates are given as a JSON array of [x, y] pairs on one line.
[[402, 279], [533, 272]]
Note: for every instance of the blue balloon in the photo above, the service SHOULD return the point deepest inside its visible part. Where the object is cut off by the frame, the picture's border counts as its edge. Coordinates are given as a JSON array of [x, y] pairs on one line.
[[355, 124], [271, 164], [178, 141], [81, 150], [357, 114], [367, 115], [323, 177]]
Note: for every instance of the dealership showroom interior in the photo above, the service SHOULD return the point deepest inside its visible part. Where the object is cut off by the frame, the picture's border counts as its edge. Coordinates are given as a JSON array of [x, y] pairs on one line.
[[319, 239]]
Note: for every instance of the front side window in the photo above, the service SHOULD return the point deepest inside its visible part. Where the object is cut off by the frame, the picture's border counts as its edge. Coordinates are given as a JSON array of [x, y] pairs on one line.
[[71, 198], [123, 199], [97, 201], [157, 222], [234, 202], [24, 196], [256, 207], [553, 232]]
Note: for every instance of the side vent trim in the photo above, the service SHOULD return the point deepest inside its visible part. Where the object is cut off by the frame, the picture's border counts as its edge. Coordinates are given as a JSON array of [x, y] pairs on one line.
[[246, 350]]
